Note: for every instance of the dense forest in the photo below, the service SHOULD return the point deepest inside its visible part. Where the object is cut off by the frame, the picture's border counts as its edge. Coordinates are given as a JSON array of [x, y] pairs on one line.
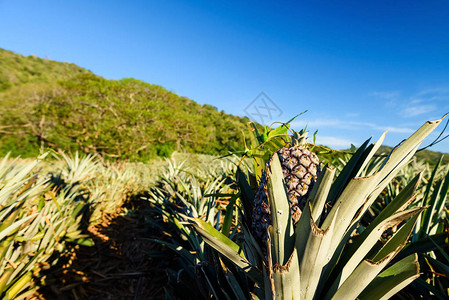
[[48, 104]]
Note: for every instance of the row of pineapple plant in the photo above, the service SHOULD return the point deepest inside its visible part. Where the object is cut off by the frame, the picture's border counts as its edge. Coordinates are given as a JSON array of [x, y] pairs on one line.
[[50, 201], [302, 237], [430, 237], [181, 193], [38, 216]]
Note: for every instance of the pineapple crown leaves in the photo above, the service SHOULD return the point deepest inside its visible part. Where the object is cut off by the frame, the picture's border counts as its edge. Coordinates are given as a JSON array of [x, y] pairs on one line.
[[300, 138], [265, 143], [280, 131]]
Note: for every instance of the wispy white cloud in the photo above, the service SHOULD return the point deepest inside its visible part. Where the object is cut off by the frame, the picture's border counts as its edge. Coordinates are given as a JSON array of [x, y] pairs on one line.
[[348, 125], [334, 142], [388, 95], [395, 129], [416, 110], [438, 90], [391, 98], [403, 115], [416, 101], [437, 94], [317, 123], [420, 103]]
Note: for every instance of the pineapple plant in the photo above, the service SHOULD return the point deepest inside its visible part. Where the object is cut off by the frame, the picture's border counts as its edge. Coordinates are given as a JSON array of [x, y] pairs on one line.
[[38, 217], [300, 168], [307, 251]]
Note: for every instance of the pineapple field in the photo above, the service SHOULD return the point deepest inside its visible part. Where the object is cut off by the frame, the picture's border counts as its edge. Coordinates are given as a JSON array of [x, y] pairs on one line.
[[281, 219]]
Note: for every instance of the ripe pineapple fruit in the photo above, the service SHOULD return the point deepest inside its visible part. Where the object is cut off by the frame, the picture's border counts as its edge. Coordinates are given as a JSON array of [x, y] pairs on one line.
[[300, 168]]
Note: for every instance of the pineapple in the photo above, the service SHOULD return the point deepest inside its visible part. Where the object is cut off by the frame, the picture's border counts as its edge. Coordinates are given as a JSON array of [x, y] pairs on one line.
[[300, 168]]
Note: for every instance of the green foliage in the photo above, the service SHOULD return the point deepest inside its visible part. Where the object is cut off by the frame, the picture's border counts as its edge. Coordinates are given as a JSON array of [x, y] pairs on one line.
[[165, 150], [75, 110]]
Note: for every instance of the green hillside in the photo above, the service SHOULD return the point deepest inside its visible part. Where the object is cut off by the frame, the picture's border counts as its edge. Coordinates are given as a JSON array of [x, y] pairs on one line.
[[18, 69], [47, 104]]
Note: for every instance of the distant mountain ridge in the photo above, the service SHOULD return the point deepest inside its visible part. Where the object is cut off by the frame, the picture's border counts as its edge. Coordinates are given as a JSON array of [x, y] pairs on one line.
[[48, 104]]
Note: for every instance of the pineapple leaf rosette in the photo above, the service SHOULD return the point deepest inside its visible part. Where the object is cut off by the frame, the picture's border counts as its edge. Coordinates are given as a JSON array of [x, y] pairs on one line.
[[299, 222]]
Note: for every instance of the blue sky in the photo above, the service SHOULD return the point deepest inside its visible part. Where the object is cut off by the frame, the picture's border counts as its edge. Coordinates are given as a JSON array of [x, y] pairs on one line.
[[359, 68]]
